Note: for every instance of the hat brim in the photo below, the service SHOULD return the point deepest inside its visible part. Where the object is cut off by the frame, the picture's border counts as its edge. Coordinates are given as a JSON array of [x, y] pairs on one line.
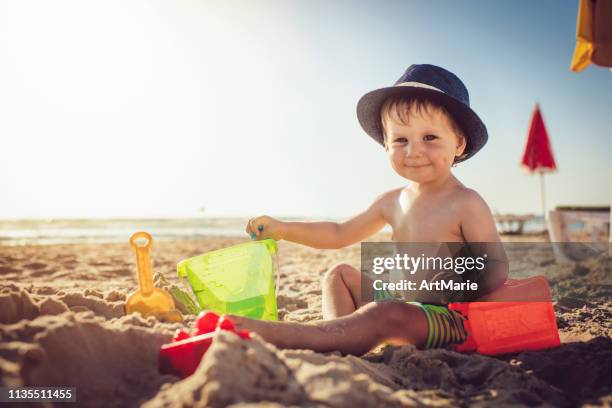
[[368, 113]]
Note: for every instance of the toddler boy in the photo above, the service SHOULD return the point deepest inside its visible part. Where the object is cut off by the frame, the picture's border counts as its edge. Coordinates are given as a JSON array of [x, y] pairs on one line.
[[426, 126]]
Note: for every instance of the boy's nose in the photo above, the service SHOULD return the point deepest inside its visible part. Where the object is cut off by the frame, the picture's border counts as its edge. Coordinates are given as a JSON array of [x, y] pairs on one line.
[[413, 149]]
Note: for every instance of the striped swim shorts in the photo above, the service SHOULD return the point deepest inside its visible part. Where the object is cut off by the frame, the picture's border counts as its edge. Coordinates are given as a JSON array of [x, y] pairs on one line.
[[444, 326]]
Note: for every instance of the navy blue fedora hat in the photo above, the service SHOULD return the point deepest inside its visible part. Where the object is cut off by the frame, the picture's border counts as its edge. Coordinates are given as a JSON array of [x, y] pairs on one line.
[[437, 84]]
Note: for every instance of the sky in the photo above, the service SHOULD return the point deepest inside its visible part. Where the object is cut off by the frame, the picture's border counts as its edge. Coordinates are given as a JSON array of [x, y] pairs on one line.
[[243, 108]]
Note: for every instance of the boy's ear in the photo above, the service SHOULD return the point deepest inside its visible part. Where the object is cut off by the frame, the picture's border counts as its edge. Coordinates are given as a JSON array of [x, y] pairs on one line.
[[460, 146], [385, 145]]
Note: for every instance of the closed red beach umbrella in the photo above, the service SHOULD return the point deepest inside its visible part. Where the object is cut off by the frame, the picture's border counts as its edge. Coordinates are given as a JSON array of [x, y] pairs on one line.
[[538, 156]]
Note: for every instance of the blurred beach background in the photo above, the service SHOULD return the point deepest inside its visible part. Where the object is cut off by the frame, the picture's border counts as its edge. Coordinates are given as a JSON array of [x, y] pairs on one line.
[[76, 231], [185, 119]]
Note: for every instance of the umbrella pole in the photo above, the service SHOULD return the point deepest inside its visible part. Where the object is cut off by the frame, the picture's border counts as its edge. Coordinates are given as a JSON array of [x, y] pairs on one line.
[[543, 194]]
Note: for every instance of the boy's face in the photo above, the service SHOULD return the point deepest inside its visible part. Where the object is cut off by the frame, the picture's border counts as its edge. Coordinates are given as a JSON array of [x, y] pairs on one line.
[[423, 150]]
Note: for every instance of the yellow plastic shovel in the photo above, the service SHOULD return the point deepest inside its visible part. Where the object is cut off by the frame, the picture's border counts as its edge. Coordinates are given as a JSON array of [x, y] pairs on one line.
[[149, 300]]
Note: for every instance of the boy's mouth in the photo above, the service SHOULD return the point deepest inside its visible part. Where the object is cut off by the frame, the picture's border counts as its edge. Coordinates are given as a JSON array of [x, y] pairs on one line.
[[416, 166]]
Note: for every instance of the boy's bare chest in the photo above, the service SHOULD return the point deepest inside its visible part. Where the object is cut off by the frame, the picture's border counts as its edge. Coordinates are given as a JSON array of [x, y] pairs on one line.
[[425, 221]]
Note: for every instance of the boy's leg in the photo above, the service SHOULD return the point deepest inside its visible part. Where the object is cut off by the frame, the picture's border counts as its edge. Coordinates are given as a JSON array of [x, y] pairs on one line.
[[357, 333], [341, 291]]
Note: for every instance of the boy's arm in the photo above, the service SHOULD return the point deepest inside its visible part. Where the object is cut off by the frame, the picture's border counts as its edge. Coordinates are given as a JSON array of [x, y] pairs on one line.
[[481, 237], [324, 235]]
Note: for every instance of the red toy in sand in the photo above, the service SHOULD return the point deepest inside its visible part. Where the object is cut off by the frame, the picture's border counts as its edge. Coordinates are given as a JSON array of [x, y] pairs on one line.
[[182, 356]]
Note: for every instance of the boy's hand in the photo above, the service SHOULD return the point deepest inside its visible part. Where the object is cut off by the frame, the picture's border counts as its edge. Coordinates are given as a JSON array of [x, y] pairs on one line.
[[266, 227]]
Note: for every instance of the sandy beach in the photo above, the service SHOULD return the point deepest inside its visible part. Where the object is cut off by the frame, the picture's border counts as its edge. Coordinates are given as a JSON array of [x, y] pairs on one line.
[[62, 322]]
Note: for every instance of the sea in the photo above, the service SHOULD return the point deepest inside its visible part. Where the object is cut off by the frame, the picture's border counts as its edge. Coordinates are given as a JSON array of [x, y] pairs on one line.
[[62, 231]]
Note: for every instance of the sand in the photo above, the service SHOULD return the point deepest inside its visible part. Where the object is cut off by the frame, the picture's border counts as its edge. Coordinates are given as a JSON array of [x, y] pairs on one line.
[[62, 323]]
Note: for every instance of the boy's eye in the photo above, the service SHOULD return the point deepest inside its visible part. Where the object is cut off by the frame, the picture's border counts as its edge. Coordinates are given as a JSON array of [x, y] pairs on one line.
[[400, 140], [429, 138]]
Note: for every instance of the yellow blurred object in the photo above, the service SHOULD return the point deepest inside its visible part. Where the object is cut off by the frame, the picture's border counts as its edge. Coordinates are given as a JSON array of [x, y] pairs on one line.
[[149, 300], [593, 35]]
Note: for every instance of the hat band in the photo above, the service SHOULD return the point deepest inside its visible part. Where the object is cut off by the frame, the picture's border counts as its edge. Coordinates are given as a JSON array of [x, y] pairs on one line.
[[419, 85]]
